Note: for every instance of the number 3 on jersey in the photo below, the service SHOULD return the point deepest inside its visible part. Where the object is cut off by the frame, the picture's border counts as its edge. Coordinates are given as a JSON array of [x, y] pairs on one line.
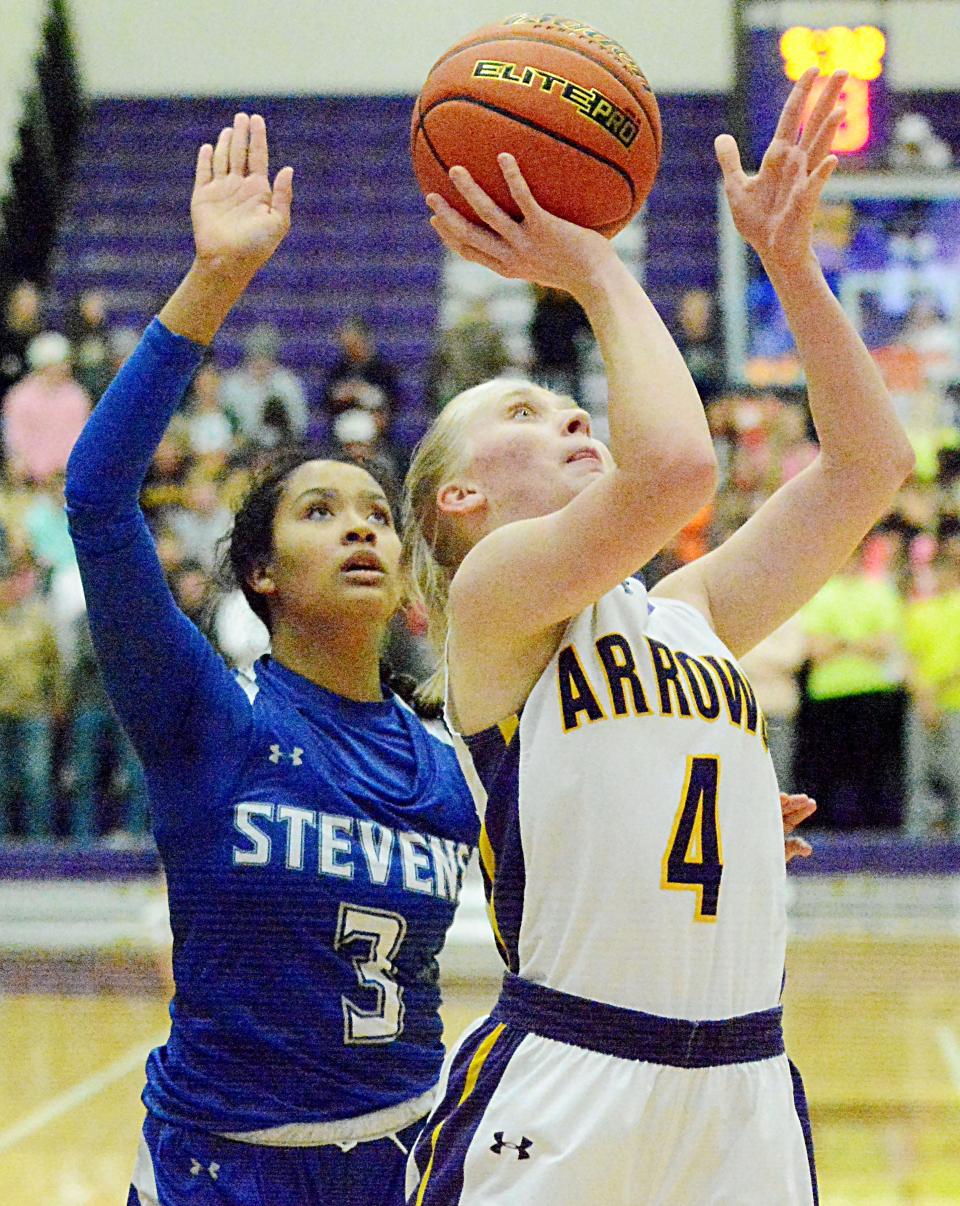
[[381, 933], [693, 860]]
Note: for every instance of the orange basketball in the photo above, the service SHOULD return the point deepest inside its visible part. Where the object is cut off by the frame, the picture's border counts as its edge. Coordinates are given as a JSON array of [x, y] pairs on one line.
[[569, 103]]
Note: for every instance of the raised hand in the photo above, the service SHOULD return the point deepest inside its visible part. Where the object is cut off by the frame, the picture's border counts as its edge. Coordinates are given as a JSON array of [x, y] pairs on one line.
[[238, 223], [773, 211], [795, 809], [541, 247], [238, 219]]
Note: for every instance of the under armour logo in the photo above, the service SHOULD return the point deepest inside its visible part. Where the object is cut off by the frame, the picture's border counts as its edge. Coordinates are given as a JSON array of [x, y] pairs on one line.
[[276, 754], [196, 1168], [522, 1148]]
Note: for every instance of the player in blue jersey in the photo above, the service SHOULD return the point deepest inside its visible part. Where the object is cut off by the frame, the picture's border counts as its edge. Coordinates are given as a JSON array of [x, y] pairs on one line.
[[631, 841], [314, 833]]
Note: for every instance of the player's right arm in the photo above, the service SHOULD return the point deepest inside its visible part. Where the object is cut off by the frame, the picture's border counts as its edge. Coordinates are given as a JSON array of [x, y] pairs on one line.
[[809, 527], [527, 576], [163, 677]]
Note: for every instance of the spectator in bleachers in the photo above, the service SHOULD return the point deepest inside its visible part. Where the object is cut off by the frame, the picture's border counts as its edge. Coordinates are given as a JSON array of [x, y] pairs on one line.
[[190, 583], [166, 484], [30, 699], [700, 343], [21, 322], [559, 333], [852, 745], [948, 479], [260, 381], [772, 668], [120, 344], [209, 430], [45, 525], [932, 638], [470, 351], [43, 413], [169, 551], [362, 377], [357, 437], [16, 499], [87, 329], [202, 521], [408, 651], [99, 754], [936, 341]]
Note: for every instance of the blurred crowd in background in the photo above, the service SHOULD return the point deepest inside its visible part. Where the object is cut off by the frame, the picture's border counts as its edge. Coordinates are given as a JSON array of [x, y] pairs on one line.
[[861, 690]]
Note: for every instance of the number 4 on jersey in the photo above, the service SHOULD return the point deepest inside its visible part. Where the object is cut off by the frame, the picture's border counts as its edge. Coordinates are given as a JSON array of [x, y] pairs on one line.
[[693, 860]]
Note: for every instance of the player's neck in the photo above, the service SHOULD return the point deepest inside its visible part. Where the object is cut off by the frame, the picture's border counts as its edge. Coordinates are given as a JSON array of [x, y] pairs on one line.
[[346, 661]]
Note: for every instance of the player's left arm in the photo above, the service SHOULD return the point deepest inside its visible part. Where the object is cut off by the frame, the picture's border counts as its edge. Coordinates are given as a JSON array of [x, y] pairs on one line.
[[802, 535]]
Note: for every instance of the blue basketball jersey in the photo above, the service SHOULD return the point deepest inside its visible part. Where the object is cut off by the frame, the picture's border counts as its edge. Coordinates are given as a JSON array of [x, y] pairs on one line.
[[311, 887], [314, 846]]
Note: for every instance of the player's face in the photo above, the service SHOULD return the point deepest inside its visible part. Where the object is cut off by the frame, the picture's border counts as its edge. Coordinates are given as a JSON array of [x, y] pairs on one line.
[[531, 452], [335, 547]]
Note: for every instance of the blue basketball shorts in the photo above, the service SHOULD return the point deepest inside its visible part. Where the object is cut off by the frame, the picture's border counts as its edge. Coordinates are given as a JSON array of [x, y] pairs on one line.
[[177, 1166], [557, 1101]]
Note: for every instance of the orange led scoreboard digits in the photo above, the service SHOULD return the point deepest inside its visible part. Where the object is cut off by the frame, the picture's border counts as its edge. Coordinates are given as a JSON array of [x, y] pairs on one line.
[[859, 51]]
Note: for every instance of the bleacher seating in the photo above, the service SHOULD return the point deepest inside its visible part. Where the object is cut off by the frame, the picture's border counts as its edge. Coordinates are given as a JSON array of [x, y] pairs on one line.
[[360, 240]]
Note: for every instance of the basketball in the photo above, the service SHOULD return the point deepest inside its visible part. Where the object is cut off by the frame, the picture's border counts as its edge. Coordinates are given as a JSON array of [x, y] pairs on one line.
[[570, 104]]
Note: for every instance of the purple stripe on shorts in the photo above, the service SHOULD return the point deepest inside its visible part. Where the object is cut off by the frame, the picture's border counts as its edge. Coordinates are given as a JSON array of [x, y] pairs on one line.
[[452, 1094], [803, 1113], [445, 1183]]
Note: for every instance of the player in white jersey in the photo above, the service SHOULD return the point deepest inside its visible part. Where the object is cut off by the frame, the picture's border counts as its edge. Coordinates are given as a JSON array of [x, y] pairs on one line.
[[631, 841]]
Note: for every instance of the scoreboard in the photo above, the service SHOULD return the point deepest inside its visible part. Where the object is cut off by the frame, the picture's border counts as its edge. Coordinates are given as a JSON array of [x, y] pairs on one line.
[[778, 55]]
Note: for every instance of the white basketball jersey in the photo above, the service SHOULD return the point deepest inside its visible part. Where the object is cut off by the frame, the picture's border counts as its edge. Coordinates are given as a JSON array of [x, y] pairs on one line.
[[632, 844]]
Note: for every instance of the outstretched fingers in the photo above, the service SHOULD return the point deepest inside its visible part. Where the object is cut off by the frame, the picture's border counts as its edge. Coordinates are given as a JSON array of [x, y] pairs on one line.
[[204, 172], [221, 152], [788, 127], [728, 157], [517, 184], [473, 254], [258, 155], [795, 809], [461, 235], [482, 204], [823, 109], [239, 143], [282, 197], [809, 196], [820, 147]]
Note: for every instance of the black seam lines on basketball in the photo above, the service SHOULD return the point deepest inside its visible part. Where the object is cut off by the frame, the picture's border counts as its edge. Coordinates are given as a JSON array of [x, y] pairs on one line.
[[445, 168], [421, 128], [525, 121], [657, 134]]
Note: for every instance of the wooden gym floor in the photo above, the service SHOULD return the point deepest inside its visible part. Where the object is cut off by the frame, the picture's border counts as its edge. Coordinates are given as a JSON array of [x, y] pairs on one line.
[[873, 1024]]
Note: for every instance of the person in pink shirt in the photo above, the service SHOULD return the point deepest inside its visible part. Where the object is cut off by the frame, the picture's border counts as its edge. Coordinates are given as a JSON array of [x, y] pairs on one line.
[[43, 413]]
